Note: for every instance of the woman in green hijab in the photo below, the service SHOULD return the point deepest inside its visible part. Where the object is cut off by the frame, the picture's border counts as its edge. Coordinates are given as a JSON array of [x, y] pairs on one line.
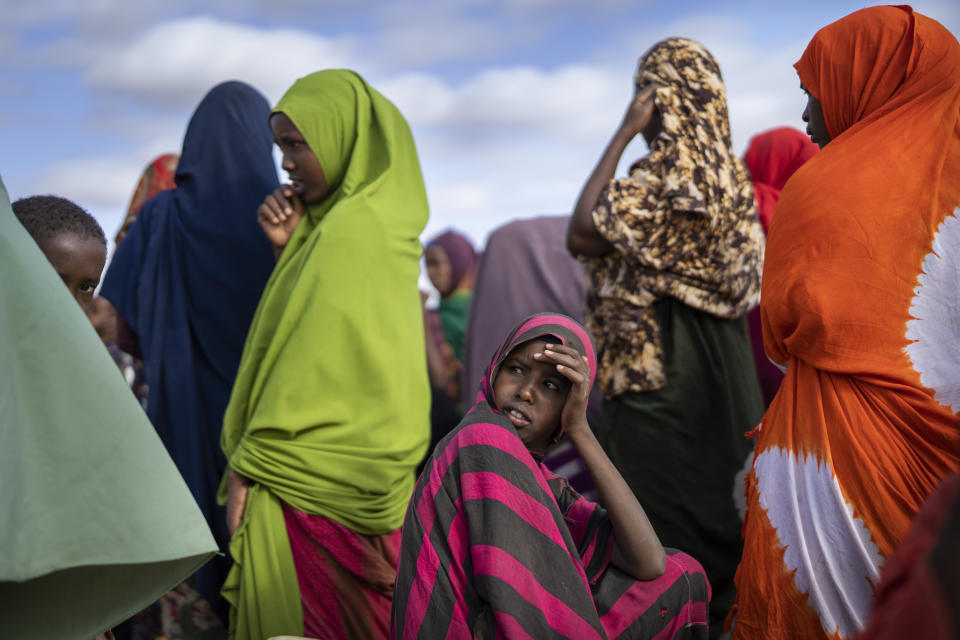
[[329, 414]]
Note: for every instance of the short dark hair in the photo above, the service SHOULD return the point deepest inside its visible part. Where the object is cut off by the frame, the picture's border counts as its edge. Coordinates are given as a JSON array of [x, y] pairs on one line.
[[45, 217]]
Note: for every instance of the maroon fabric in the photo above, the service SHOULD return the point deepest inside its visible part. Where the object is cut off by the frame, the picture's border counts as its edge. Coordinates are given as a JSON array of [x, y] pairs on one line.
[[346, 579], [910, 602]]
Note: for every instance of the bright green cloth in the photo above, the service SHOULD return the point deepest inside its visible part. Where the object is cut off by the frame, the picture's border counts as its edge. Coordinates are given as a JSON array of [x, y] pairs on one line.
[[97, 523], [330, 409], [454, 310]]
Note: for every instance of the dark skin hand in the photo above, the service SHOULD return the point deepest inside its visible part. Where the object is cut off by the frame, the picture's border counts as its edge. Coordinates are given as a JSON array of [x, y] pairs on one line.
[[279, 216], [237, 489], [636, 547], [583, 239]]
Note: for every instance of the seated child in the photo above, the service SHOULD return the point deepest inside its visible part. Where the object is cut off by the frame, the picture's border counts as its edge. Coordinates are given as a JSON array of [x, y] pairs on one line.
[[494, 545], [71, 240]]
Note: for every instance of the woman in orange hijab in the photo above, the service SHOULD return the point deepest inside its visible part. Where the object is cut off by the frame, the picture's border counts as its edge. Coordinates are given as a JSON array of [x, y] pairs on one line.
[[859, 292]]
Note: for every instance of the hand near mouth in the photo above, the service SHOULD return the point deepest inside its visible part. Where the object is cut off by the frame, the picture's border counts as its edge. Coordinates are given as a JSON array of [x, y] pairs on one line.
[[279, 216], [572, 366]]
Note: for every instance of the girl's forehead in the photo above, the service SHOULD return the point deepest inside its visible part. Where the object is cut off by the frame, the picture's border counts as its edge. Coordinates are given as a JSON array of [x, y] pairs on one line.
[[520, 346]]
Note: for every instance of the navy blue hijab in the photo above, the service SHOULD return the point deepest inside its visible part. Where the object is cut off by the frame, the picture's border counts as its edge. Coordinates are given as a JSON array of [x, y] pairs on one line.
[[187, 279]]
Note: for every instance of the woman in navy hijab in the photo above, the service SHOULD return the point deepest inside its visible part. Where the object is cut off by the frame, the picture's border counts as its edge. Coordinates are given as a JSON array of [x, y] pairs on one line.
[[186, 281]]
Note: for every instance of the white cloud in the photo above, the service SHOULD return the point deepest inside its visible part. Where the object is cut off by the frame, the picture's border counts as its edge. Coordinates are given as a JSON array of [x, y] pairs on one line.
[[575, 100], [175, 61], [92, 182], [496, 142]]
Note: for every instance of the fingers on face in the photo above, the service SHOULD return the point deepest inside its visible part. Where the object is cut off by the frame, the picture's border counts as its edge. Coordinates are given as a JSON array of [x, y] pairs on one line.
[[568, 360], [277, 206], [646, 94]]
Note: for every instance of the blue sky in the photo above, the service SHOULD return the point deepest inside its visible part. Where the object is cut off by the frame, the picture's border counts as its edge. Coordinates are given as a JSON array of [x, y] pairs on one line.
[[510, 101]]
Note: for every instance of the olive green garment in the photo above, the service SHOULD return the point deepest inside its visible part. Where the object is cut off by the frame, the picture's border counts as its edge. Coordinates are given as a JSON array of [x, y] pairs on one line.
[[96, 521], [330, 409]]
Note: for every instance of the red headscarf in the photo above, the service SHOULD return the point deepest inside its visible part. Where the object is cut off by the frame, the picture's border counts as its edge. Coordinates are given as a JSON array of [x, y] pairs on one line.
[[772, 158], [157, 177]]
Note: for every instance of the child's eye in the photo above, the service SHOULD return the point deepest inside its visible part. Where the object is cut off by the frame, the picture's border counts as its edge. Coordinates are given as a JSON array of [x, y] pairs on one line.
[[87, 287], [553, 386]]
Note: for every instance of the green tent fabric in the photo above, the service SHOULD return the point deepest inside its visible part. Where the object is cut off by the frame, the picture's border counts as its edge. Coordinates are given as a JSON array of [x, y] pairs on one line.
[[97, 522], [330, 409]]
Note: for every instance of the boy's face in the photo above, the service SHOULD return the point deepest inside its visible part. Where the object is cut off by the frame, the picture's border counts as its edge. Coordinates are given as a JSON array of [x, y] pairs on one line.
[[79, 261], [531, 394]]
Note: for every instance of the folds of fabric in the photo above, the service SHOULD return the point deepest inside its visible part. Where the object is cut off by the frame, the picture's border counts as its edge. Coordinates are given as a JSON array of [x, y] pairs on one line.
[[772, 157], [97, 522], [187, 279], [860, 299], [346, 578], [912, 599], [682, 225], [495, 545], [330, 410]]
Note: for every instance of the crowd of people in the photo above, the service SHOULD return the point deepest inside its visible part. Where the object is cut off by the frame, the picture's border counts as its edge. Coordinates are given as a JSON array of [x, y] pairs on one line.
[[721, 398]]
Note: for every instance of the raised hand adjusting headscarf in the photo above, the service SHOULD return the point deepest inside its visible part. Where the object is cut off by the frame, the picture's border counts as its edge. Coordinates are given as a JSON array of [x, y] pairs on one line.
[[567, 330]]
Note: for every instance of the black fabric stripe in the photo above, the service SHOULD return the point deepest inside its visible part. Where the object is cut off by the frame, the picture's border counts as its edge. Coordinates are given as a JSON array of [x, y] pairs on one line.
[[597, 530], [599, 533], [407, 570], [487, 458], [550, 564], [510, 602], [688, 587], [469, 458]]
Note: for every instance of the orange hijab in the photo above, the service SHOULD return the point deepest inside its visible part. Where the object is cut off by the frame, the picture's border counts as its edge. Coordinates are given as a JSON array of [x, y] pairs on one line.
[[857, 221], [860, 297]]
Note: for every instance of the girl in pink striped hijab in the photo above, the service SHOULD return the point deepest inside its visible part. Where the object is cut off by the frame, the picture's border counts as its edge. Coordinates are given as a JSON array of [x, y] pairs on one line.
[[495, 545]]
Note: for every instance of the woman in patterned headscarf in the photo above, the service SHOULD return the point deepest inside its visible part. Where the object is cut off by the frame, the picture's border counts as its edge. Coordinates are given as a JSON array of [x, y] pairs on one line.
[[673, 255]]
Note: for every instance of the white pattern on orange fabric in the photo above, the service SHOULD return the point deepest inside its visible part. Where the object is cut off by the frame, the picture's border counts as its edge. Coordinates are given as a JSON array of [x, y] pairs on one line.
[[804, 502], [935, 348]]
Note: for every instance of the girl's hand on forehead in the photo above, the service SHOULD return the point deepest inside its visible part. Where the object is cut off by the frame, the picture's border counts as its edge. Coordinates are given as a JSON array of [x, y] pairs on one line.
[[572, 366], [279, 216]]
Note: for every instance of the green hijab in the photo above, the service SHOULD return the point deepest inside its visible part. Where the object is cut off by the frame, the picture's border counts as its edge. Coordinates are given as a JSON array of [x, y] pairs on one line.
[[330, 409], [97, 522]]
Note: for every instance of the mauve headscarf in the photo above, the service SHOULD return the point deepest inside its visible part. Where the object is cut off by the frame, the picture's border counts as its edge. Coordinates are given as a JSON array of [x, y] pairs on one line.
[[462, 257]]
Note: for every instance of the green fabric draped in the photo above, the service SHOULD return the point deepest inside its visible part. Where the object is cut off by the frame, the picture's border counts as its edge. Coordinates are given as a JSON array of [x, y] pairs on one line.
[[330, 409], [97, 522], [454, 310]]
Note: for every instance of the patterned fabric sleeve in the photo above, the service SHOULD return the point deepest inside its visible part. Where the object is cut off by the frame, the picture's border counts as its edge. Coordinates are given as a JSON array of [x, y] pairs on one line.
[[639, 223], [588, 524]]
